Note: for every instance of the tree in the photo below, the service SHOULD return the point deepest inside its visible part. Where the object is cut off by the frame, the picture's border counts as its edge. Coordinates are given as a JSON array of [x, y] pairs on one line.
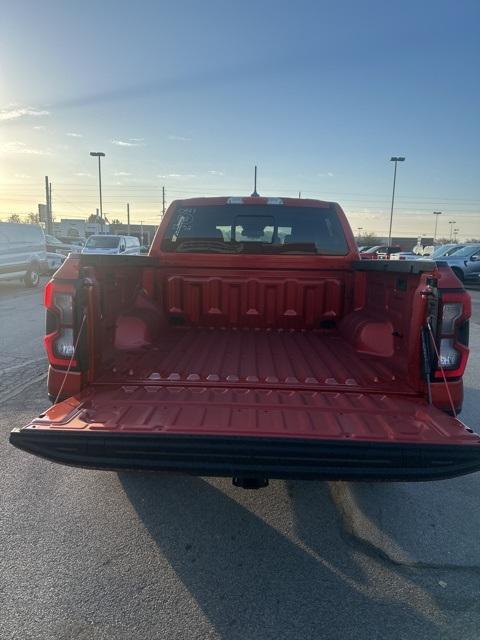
[[14, 218], [115, 221], [446, 241], [32, 218], [365, 237], [94, 219]]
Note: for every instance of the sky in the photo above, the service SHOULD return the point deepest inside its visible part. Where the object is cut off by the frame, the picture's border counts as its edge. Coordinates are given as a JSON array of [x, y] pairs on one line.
[[191, 95]]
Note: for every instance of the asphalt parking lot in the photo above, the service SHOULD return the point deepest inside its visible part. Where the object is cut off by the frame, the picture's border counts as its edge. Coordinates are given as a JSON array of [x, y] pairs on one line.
[[89, 554]]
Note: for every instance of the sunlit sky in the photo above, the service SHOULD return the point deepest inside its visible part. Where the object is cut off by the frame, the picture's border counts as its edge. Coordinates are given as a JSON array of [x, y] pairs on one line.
[[190, 95]]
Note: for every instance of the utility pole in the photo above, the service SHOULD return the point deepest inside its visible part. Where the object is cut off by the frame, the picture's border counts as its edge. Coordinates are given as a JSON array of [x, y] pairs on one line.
[[163, 201], [48, 208], [436, 214], [99, 155], [299, 195], [141, 229], [451, 223], [51, 207], [128, 218], [394, 159]]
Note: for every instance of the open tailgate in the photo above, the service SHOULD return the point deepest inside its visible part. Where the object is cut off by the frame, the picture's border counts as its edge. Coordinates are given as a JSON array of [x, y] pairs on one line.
[[253, 433]]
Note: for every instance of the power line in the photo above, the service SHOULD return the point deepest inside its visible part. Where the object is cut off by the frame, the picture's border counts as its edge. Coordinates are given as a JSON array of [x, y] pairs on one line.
[[225, 189]]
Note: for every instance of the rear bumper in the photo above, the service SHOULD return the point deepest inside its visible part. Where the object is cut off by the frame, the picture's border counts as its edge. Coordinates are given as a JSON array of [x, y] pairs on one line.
[[246, 457]]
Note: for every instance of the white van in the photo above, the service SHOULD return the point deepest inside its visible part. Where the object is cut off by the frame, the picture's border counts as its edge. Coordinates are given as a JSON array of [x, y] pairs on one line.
[[125, 245], [23, 252]]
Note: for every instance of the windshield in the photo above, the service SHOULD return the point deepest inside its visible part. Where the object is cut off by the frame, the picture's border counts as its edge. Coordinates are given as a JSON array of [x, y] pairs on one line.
[[373, 249], [446, 250], [255, 229], [102, 242], [466, 251]]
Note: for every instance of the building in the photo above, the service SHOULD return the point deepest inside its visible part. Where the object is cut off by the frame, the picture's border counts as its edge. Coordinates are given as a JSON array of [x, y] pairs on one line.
[[144, 232], [70, 227]]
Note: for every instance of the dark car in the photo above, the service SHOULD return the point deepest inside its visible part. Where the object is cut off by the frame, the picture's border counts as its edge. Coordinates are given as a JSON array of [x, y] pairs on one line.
[[379, 252], [465, 263], [23, 254], [54, 245], [76, 243]]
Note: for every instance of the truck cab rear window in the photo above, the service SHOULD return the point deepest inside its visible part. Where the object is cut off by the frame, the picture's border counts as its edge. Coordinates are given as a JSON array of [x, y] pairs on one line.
[[255, 229]]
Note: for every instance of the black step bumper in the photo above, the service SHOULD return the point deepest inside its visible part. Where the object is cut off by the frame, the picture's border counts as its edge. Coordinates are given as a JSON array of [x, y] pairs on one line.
[[244, 457]]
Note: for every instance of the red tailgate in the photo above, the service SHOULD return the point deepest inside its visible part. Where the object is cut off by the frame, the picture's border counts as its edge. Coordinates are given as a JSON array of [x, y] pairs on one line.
[[253, 434]]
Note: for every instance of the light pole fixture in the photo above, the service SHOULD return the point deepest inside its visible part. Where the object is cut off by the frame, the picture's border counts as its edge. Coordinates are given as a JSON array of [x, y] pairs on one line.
[[451, 223], [359, 229], [436, 214], [99, 155], [394, 159]]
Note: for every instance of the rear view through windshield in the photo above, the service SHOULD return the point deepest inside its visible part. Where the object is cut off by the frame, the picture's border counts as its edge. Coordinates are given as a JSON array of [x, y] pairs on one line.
[[269, 229], [102, 242]]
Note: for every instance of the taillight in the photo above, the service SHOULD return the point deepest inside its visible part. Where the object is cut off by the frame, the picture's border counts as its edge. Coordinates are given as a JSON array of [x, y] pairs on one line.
[[454, 311], [59, 339]]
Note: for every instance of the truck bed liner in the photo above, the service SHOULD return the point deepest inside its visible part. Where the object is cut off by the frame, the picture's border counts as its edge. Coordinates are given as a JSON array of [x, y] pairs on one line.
[[248, 356]]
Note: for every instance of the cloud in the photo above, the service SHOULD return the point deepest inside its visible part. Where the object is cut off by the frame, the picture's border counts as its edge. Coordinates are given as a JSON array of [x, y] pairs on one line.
[[39, 127], [213, 172], [131, 142], [13, 113], [84, 174], [72, 134], [21, 147], [21, 175], [177, 175], [121, 173], [181, 175], [329, 174], [179, 138]]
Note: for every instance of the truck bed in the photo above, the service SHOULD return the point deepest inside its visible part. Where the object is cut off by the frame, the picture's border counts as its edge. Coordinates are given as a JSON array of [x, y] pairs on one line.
[[253, 404], [254, 357]]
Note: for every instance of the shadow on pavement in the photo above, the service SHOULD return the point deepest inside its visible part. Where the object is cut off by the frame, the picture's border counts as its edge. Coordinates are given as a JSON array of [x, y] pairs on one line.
[[260, 575]]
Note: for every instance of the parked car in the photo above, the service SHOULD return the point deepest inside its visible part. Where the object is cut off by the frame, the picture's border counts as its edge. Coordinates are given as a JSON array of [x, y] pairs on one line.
[[23, 253], [75, 242], [379, 252], [445, 250], [54, 261], [109, 244], [239, 355], [385, 252], [54, 245], [364, 247], [465, 263], [405, 255]]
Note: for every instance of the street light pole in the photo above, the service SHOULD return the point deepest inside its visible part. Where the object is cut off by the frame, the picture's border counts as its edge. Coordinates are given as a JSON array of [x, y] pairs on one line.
[[451, 223], [436, 214], [394, 159], [99, 155]]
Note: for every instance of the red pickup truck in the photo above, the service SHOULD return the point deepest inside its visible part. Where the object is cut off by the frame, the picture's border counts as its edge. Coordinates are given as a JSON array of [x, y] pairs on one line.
[[253, 343]]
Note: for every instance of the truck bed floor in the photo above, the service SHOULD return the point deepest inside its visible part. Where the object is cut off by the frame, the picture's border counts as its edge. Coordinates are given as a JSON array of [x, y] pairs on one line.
[[247, 356]]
